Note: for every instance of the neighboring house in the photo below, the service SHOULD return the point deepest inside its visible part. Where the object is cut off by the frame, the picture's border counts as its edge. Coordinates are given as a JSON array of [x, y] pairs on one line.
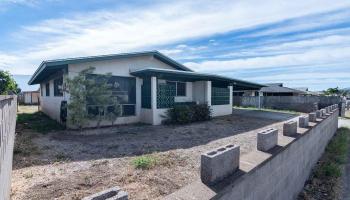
[[272, 89], [148, 83], [29, 97]]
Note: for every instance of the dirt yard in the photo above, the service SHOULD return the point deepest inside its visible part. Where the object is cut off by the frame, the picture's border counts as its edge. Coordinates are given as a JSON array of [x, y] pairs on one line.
[[50, 163]]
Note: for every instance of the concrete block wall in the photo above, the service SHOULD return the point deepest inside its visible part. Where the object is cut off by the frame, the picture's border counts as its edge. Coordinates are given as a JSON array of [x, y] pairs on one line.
[[8, 113], [279, 173], [297, 103]]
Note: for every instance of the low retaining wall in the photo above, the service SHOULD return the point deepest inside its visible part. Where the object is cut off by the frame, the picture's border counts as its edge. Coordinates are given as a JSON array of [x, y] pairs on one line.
[[8, 112], [277, 173], [296, 103]]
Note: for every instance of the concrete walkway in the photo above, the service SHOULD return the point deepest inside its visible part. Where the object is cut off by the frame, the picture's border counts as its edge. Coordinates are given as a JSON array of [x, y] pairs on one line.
[[346, 177]]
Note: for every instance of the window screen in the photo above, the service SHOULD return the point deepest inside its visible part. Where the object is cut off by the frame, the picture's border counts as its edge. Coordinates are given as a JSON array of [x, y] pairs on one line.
[[47, 89], [181, 89], [124, 89], [57, 87]]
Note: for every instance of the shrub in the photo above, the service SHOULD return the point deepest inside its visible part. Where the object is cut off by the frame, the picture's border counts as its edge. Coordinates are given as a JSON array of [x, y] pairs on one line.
[[202, 112], [182, 114], [331, 170], [144, 162]]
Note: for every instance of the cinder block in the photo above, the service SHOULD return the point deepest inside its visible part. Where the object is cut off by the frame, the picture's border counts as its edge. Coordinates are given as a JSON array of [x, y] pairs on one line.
[[304, 121], [312, 117], [219, 164], [267, 139], [318, 114], [114, 193], [290, 128]]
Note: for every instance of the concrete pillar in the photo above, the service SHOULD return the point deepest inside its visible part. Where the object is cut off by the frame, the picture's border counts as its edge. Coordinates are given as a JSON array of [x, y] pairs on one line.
[[342, 111], [267, 139], [231, 95], [208, 92], [318, 114], [219, 164], [312, 117], [303, 121], [290, 128], [261, 97], [154, 99]]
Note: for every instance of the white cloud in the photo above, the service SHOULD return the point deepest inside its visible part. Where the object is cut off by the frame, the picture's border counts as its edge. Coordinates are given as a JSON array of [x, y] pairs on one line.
[[313, 57], [112, 31]]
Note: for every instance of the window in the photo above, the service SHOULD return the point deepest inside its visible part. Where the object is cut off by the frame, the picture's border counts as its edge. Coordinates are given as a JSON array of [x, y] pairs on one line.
[[180, 87], [41, 90], [57, 87], [124, 89], [47, 89]]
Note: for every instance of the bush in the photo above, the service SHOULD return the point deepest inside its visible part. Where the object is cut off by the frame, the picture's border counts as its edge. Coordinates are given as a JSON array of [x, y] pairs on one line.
[[144, 162], [183, 114]]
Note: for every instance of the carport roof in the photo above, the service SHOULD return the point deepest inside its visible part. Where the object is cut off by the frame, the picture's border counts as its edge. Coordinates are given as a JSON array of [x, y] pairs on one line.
[[194, 76]]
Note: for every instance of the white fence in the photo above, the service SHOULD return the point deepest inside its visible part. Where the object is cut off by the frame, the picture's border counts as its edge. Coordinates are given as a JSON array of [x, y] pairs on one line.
[[8, 112]]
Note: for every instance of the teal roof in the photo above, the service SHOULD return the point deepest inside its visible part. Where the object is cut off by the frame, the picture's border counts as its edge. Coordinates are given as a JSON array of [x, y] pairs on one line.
[[195, 76], [49, 67]]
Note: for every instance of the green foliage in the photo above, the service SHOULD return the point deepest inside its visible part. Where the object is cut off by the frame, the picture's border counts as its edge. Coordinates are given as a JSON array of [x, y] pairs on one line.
[[331, 170], [92, 91], [7, 84], [144, 162], [78, 87], [335, 155], [38, 121], [336, 91], [182, 114]]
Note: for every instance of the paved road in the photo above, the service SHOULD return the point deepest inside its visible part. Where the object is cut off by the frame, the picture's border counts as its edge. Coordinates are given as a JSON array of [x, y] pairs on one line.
[[346, 178]]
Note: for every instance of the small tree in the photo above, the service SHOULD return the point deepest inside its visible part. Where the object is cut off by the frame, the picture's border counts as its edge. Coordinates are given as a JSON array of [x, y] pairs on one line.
[[87, 90], [77, 87], [7, 84], [113, 111]]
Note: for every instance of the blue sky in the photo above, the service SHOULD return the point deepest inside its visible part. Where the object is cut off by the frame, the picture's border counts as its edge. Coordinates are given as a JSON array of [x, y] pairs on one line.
[[300, 43]]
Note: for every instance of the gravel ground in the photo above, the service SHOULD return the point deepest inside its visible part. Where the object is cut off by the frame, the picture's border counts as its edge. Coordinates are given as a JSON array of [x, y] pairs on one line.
[[73, 164]]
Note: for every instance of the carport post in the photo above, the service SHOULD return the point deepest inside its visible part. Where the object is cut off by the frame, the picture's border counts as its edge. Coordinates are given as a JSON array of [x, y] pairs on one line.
[[154, 98], [260, 94]]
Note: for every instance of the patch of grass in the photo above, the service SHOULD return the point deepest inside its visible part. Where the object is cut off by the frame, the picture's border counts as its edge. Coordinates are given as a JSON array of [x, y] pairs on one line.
[[336, 154], [144, 162], [38, 122], [329, 169]]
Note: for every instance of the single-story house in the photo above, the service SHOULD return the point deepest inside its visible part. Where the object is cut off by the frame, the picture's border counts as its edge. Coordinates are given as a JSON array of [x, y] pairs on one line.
[[29, 97], [271, 89], [148, 84]]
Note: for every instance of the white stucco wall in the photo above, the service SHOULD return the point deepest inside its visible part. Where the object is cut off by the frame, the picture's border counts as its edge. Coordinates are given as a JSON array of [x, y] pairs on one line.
[[119, 67], [199, 94], [50, 105], [221, 110]]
